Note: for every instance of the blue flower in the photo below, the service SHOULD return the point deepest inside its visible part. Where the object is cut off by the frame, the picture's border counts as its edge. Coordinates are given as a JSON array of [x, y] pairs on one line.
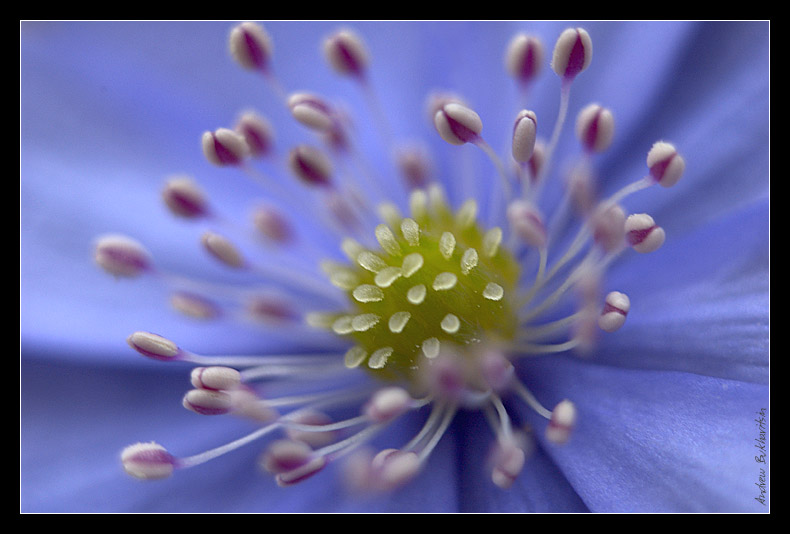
[[672, 408]]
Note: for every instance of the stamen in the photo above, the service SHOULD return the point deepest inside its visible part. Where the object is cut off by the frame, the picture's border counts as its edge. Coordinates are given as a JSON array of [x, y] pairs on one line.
[[412, 263], [561, 423], [312, 111], [398, 321], [572, 53], [184, 198], [346, 52], [224, 147], [643, 234], [595, 128], [411, 231], [368, 293], [154, 346], [148, 461], [524, 136], [665, 164], [121, 256], [257, 131], [310, 165], [444, 281], [403, 313], [524, 58], [216, 378], [457, 124], [614, 312], [223, 250], [251, 46], [416, 294]]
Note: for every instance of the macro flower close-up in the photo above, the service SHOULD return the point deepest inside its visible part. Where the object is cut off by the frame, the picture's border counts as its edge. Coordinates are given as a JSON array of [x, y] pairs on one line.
[[394, 267]]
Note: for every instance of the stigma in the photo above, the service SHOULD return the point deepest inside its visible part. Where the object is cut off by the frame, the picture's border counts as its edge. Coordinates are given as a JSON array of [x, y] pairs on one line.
[[432, 305]]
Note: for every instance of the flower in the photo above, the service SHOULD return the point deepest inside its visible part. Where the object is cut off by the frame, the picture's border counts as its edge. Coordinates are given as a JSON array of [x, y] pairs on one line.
[[663, 403]]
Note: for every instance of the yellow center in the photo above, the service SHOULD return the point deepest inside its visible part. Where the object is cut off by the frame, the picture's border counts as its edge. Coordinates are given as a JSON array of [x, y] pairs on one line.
[[439, 281]]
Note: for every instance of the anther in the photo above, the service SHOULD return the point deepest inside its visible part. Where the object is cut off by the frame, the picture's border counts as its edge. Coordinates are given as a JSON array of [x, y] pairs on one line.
[[491, 242], [535, 163], [184, 198], [493, 291], [508, 462], [450, 323], [411, 231], [208, 402], [524, 57], [310, 165], [342, 325], [257, 132], [364, 322], [614, 311], [387, 404], [595, 128], [609, 228], [312, 111], [466, 215], [370, 261], [527, 223], [346, 53], [313, 437], [431, 347], [643, 234], [270, 309], [562, 422], [387, 240], [416, 294], [354, 357], [496, 370], [292, 462], [224, 147], [121, 256], [447, 245], [469, 260], [572, 53], [194, 306], [215, 377], [285, 455], [581, 189], [388, 275], [398, 320], [147, 461], [444, 281], [153, 346], [222, 249], [393, 468], [379, 357], [414, 166], [251, 46], [665, 164], [368, 293], [412, 263], [457, 124], [390, 214], [272, 224], [524, 136]]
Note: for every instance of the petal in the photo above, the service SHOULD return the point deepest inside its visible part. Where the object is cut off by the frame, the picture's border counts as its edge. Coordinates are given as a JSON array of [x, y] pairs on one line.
[[656, 441], [701, 303]]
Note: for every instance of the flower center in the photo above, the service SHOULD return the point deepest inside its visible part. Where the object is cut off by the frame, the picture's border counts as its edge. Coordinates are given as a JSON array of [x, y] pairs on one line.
[[438, 282]]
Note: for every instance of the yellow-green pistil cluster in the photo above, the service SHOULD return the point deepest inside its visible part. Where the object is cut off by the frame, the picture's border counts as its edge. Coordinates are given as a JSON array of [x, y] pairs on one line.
[[438, 282]]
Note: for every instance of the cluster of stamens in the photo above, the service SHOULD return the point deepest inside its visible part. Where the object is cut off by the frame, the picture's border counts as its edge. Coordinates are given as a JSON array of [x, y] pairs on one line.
[[435, 307]]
